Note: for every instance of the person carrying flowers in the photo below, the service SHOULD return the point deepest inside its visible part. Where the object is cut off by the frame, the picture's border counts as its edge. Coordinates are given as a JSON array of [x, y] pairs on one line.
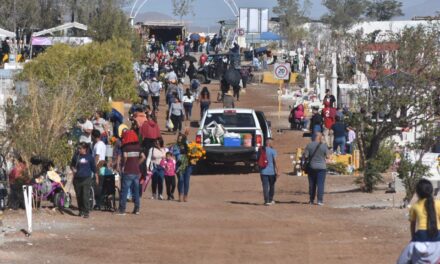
[[189, 155]]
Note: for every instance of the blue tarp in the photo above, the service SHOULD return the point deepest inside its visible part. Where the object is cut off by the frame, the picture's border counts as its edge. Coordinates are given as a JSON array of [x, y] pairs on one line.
[[269, 36]]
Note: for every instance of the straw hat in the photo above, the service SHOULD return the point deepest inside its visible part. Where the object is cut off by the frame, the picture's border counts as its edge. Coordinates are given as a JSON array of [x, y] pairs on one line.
[[121, 128]]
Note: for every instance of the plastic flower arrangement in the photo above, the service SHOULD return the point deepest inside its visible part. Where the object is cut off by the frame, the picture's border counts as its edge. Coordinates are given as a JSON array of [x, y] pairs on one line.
[[113, 140], [195, 152]]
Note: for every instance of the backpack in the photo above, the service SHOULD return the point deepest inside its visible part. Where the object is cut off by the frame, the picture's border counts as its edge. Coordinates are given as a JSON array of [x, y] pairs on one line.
[[262, 158]]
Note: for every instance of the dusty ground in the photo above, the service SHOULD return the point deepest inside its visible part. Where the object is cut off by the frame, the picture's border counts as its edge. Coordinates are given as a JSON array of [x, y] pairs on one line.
[[225, 221]]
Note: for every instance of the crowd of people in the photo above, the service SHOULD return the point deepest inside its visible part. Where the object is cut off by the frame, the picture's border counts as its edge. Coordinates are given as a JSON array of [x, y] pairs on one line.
[[330, 121], [13, 49], [138, 154]]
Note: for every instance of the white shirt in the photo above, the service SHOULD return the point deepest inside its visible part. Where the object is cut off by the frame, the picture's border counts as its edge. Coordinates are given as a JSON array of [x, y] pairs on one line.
[[156, 67], [351, 136], [99, 149], [187, 99], [88, 125]]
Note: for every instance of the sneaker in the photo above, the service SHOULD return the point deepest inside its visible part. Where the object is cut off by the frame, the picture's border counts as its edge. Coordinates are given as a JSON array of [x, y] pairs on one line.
[[121, 213], [160, 197], [273, 202], [312, 202], [153, 197], [267, 204], [81, 214], [136, 212], [86, 216], [320, 203]]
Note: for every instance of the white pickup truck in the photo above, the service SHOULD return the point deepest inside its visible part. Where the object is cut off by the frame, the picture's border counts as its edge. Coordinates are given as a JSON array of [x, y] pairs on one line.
[[241, 123]]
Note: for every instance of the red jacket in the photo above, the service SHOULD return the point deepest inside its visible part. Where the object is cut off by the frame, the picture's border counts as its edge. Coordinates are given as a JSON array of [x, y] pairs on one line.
[[329, 115], [150, 130]]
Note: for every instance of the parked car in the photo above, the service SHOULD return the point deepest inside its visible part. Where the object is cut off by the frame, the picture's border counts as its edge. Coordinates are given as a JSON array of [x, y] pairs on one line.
[[233, 135]]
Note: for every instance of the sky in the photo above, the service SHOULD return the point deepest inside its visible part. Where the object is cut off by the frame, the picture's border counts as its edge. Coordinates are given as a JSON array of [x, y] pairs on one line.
[[208, 12]]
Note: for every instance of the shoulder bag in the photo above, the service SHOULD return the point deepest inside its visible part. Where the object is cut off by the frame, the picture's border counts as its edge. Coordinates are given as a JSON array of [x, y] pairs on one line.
[[305, 162]]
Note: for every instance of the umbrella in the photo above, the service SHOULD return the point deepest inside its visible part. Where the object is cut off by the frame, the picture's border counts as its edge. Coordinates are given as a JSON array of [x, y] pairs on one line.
[[194, 36], [269, 36], [232, 76], [190, 58]]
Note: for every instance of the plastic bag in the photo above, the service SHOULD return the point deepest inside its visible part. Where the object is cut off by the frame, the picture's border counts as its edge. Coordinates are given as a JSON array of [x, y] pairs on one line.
[[170, 124]]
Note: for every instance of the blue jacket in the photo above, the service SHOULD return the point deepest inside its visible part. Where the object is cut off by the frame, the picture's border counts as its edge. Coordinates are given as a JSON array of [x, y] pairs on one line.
[[84, 164]]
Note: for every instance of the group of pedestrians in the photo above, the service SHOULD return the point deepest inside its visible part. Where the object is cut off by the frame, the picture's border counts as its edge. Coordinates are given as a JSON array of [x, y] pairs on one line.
[[330, 122], [139, 156]]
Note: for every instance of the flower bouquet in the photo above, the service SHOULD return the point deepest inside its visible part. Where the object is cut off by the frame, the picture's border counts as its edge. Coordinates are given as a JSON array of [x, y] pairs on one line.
[[195, 153], [113, 140]]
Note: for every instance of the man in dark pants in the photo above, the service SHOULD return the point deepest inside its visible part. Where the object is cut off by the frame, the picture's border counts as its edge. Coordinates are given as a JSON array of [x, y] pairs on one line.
[[83, 167], [269, 174]]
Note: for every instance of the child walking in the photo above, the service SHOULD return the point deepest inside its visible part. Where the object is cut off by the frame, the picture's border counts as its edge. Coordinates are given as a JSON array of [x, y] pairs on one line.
[[424, 216], [169, 164]]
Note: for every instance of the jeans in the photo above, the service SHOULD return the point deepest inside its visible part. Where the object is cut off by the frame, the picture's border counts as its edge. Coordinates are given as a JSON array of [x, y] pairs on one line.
[[155, 102], [183, 184], [316, 180], [315, 128], [203, 107], [177, 122], [170, 182], [82, 187], [349, 148], [339, 141], [188, 110], [268, 187], [129, 180], [157, 181]]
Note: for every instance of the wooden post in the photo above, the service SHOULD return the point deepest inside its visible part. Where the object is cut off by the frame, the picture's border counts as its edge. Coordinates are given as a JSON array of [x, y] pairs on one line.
[[280, 92]]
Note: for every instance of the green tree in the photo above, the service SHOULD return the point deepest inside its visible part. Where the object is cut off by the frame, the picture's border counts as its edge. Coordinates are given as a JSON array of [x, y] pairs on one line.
[[29, 14], [66, 83], [292, 16], [182, 8], [342, 14], [383, 10], [108, 22], [402, 99]]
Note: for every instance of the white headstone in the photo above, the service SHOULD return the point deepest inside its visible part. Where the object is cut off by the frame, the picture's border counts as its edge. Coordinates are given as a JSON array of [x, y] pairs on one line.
[[322, 86], [334, 78]]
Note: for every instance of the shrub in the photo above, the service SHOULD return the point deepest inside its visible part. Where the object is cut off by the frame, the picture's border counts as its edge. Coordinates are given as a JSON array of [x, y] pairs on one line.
[[410, 173]]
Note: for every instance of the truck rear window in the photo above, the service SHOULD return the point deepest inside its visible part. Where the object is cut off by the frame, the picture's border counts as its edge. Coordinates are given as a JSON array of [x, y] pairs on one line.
[[231, 119]]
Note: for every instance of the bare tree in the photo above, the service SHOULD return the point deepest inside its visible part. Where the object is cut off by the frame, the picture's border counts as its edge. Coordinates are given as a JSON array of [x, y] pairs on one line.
[[183, 8]]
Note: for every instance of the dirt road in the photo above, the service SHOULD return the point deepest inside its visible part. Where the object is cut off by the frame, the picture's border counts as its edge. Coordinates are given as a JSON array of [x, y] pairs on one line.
[[224, 221]]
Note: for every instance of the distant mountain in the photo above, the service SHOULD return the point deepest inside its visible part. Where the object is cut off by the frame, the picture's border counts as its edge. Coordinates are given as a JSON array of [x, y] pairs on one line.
[[152, 16], [427, 8]]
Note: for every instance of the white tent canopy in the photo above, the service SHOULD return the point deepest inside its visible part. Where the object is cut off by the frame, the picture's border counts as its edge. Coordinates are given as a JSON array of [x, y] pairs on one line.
[[4, 33], [63, 28]]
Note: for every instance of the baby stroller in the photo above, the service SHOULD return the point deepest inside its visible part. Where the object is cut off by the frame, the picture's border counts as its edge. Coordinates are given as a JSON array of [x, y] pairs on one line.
[[108, 192], [48, 185]]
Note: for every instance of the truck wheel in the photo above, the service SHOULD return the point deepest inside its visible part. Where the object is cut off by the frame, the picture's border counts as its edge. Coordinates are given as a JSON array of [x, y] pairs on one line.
[[202, 167]]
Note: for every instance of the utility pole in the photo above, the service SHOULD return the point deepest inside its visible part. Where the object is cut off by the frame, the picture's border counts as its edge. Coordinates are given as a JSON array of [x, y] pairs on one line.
[[15, 16]]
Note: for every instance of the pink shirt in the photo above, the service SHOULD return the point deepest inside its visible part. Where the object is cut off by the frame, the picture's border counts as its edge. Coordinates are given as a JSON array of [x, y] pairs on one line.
[[169, 165]]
